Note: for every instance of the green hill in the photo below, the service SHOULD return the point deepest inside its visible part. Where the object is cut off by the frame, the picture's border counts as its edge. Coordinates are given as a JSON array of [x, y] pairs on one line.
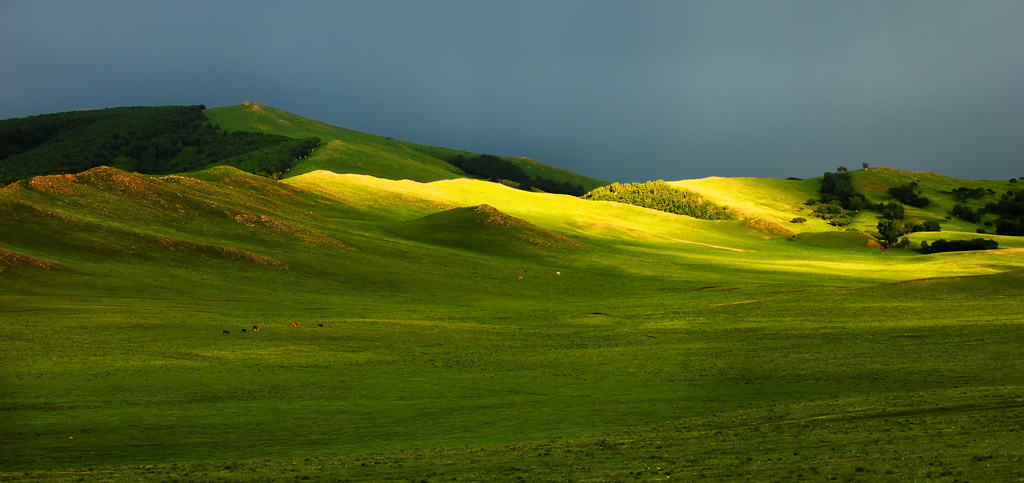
[[152, 140], [348, 151], [483, 228], [638, 344], [784, 200], [254, 138]]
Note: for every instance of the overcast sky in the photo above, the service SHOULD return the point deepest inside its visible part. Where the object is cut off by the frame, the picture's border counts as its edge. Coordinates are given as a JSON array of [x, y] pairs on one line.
[[623, 91]]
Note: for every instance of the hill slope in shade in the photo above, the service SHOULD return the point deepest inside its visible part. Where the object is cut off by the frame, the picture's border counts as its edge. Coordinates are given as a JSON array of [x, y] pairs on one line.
[[348, 151], [483, 228]]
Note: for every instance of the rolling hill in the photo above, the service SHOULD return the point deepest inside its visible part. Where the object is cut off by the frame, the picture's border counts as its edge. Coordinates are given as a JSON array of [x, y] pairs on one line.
[[452, 328]]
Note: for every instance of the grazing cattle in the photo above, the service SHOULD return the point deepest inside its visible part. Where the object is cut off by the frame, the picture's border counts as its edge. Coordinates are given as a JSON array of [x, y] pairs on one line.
[[295, 324], [319, 325], [558, 273], [520, 277], [243, 331], [255, 328], [226, 332]]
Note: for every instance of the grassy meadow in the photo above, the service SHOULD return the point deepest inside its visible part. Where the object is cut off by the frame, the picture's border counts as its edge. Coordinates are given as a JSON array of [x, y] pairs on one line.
[[636, 345]]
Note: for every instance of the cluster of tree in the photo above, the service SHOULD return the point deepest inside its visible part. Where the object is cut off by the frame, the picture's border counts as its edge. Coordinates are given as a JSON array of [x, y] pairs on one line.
[[893, 224], [963, 193], [1010, 209], [274, 159], [840, 202], [907, 195], [926, 226], [838, 187], [152, 140], [494, 168], [967, 214], [659, 195], [939, 246]]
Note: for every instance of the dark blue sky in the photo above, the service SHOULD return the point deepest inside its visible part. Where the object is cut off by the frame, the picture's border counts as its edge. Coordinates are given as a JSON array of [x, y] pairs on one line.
[[623, 91]]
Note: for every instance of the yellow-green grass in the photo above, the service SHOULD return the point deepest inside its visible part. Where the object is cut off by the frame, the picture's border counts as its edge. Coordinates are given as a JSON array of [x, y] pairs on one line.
[[777, 200], [783, 200], [659, 346]]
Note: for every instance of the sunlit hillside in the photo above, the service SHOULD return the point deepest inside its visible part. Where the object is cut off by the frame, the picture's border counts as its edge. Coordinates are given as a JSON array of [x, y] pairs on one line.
[[461, 329]]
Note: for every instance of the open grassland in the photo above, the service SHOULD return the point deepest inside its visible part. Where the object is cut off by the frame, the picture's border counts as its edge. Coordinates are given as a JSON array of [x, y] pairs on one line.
[[637, 345]]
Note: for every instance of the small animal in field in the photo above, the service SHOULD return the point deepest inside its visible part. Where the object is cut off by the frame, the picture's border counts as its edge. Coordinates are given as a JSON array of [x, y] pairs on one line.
[[319, 324], [558, 273], [520, 277], [255, 328], [226, 332], [243, 331], [295, 324]]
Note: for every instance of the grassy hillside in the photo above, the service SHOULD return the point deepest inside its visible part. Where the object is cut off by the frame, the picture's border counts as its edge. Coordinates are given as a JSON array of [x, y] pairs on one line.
[[347, 151], [783, 200], [637, 344], [875, 183]]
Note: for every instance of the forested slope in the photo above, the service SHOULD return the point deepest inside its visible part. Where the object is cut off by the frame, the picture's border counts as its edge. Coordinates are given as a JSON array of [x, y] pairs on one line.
[[149, 140]]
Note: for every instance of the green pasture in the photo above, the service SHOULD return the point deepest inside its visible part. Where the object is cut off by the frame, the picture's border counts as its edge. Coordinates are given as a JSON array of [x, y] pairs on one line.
[[637, 345]]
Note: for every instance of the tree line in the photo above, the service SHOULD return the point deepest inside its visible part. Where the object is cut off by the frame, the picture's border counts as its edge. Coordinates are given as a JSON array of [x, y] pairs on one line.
[[494, 168], [941, 245], [659, 195], [150, 140]]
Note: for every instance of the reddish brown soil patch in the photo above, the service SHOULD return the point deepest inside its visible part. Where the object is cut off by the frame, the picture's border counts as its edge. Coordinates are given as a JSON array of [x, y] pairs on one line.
[[224, 252], [9, 259]]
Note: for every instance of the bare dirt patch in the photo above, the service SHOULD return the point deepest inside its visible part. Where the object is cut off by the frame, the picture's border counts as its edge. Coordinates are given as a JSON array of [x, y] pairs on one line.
[[293, 231], [9, 259], [223, 252]]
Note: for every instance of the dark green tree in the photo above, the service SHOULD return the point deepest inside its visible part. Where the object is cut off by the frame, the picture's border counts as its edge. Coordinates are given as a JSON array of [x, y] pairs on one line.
[[891, 230]]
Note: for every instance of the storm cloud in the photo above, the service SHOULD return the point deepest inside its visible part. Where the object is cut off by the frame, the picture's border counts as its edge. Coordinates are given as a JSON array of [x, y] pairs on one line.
[[623, 91]]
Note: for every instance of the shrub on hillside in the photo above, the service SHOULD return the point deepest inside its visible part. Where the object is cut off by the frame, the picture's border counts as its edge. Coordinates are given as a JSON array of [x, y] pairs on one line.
[[839, 187], [926, 226], [906, 194], [891, 230], [661, 196], [496, 169], [965, 213], [892, 211], [939, 246], [964, 193]]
